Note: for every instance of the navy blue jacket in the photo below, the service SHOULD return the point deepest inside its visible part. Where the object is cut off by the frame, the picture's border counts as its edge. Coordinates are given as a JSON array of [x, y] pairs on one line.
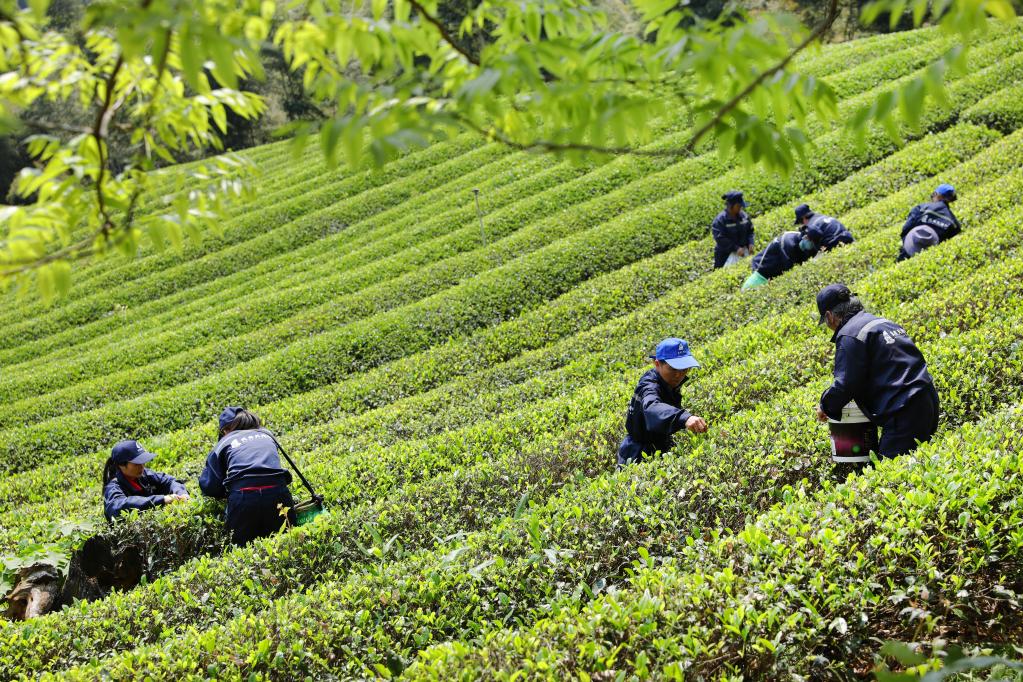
[[781, 254], [877, 365], [242, 459], [730, 234], [935, 214], [119, 495], [655, 412], [827, 232]]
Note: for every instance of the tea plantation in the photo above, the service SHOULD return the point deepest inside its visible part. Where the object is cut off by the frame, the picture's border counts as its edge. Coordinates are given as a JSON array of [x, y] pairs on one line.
[[457, 396]]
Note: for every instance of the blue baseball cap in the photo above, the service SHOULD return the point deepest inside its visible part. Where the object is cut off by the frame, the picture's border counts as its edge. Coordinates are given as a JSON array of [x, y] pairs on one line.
[[734, 197], [228, 415], [130, 452], [947, 191], [830, 296], [802, 211], [676, 353]]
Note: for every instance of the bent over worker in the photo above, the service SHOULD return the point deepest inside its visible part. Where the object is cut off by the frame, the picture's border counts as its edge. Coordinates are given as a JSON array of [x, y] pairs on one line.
[[733, 231], [878, 366], [245, 467], [929, 223], [655, 411], [128, 484], [823, 231], [782, 253]]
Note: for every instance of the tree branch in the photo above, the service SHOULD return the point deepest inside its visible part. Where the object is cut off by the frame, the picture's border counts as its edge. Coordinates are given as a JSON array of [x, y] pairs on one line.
[[448, 38], [829, 19]]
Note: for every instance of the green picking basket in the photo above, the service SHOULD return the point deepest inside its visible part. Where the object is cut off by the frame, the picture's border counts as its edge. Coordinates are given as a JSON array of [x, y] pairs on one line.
[[306, 511], [753, 281]]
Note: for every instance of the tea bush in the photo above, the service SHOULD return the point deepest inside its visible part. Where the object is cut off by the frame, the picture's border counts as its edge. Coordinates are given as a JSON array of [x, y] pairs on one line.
[[458, 399]]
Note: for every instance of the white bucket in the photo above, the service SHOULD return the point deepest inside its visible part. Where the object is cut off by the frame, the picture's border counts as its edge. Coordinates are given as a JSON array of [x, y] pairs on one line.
[[854, 437]]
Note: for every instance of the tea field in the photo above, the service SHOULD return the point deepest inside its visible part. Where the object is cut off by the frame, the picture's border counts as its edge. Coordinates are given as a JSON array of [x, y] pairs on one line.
[[457, 395]]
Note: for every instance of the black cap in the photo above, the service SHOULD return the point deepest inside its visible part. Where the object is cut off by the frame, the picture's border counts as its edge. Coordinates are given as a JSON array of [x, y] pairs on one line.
[[830, 296], [734, 197], [130, 452], [228, 415], [802, 211]]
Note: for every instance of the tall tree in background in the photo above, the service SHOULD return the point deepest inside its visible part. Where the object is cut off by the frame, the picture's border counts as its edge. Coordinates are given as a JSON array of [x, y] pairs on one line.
[[562, 76]]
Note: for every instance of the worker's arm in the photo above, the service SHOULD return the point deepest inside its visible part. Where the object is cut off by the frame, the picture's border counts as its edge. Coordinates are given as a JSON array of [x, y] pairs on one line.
[[752, 235], [168, 484], [115, 501], [912, 220], [211, 482], [659, 416], [721, 236], [850, 375]]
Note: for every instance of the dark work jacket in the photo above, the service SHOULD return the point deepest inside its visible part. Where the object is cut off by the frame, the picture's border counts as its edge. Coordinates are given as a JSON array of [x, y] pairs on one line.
[[119, 495], [781, 254], [935, 214], [730, 234], [655, 412], [242, 459], [827, 232], [877, 365]]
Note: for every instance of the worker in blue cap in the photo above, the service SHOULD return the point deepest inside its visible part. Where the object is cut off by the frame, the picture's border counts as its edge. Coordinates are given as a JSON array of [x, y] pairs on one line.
[[655, 411], [879, 367], [245, 467], [823, 232], [128, 484], [929, 223], [733, 231]]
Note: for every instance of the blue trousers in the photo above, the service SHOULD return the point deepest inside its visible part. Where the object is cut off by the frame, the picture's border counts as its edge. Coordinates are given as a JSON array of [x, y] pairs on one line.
[[253, 514], [916, 421]]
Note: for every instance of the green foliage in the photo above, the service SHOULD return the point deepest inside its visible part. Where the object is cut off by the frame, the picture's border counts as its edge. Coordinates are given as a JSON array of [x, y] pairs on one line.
[[552, 76], [459, 405]]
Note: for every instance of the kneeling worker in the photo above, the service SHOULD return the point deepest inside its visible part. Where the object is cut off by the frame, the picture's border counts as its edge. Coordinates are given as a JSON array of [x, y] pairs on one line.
[[733, 231], [655, 411], [929, 224], [878, 366], [244, 466], [128, 484]]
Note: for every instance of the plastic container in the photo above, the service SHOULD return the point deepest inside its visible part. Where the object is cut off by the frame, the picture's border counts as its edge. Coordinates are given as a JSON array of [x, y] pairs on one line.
[[306, 511], [854, 437], [753, 281]]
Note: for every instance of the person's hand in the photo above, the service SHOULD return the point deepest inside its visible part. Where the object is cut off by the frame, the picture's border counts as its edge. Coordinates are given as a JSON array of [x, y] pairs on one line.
[[742, 252], [696, 424], [173, 498], [821, 415]]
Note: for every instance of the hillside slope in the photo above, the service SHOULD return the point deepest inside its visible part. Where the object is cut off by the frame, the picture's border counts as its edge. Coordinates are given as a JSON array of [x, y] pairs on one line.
[[457, 396]]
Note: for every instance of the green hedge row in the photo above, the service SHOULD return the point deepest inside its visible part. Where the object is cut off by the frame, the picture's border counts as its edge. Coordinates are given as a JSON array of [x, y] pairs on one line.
[[583, 308], [304, 218], [635, 169], [512, 570], [321, 556], [488, 299], [805, 589], [1002, 110], [869, 79], [599, 300]]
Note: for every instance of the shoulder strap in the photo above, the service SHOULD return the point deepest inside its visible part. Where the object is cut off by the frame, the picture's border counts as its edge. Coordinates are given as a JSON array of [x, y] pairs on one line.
[[297, 470], [861, 336]]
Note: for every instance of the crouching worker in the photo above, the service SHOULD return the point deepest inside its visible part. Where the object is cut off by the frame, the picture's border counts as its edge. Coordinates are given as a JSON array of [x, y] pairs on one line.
[[929, 224], [128, 484], [245, 467], [879, 367], [655, 411], [823, 232], [781, 254]]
